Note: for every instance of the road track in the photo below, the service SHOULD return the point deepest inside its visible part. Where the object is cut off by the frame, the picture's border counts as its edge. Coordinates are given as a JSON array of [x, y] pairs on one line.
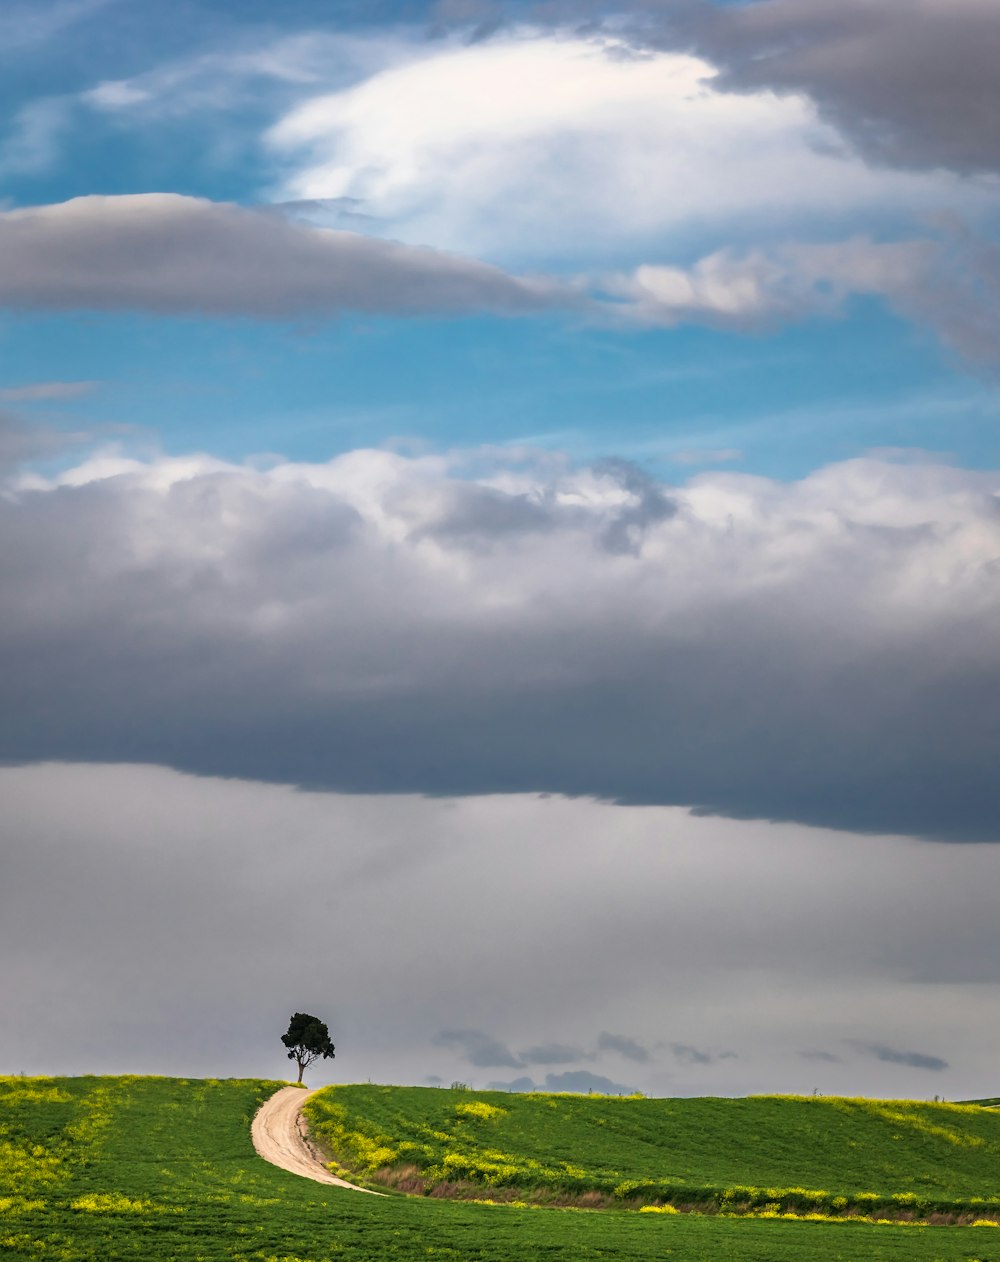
[[281, 1137]]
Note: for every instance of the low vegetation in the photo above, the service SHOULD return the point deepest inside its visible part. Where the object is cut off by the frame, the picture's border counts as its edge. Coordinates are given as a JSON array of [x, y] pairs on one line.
[[766, 1155], [162, 1170]]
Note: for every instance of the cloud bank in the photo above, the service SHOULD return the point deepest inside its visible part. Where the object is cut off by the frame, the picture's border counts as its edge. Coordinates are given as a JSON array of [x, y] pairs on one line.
[[824, 651], [158, 923]]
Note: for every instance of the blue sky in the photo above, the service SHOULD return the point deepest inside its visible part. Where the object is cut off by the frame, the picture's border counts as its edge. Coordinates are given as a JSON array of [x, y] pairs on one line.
[[788, 403], [210, 83], [531, 469]]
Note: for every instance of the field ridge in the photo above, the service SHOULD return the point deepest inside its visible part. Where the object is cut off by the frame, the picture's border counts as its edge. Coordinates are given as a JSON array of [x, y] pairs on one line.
[[818, 1156]]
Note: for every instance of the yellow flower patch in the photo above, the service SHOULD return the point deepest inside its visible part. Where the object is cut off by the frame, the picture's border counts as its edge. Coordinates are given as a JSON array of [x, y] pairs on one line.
[[116, 1203]]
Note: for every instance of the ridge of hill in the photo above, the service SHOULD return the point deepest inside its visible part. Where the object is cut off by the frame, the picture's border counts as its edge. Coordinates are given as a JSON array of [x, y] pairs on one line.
[[760, 1154], [141, 1169]]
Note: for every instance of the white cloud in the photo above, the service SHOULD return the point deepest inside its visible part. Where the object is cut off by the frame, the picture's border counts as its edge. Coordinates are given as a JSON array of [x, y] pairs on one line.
[[950, 283], [31, 142], [725, 289], [554, 145], [763, 286], [235, 76]]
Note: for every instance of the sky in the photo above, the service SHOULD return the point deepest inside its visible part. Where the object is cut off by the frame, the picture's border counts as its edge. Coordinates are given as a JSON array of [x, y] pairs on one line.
[[499, 541]]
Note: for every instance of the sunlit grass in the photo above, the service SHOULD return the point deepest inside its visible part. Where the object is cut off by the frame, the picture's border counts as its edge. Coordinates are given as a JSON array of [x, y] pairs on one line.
[[162, 1170], [774, 1156]]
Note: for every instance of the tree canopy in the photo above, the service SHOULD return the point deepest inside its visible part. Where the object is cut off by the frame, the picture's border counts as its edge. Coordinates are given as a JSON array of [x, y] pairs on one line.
[[307, 1039]]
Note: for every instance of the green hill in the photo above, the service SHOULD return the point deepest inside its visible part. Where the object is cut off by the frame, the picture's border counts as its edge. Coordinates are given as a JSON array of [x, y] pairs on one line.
[[162, 1170], [900, 1159]]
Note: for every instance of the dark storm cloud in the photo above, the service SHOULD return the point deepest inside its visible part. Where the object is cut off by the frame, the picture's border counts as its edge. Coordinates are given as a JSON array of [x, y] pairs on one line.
[[174, 255], [481, 514], [578, 1081], [479, 1049], [486, 1052], [687, 1054], [631, 1049], [647, 505], [583, 1080], [912, 83], [915, 1060], [826, 651], [552, 1054], [690, 1055]]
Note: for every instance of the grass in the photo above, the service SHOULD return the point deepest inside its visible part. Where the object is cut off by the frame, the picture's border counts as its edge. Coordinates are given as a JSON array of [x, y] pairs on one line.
[[763, 1154], [162, 1170]]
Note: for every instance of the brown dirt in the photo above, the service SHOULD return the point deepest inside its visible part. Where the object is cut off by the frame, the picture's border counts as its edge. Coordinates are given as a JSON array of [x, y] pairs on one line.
[[280, 1136]]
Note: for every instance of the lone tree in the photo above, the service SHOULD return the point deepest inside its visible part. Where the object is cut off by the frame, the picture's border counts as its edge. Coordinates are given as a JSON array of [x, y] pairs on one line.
[[307, 1040]]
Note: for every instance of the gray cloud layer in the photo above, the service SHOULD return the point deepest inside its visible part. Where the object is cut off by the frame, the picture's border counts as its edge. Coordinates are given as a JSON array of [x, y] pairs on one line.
[[577, 1080], [913, 82], [826, 651], [157, 923], [482, 1050], [629, 1048], [479, 1049], [552, 1054], [170, 255], [891, 1056]]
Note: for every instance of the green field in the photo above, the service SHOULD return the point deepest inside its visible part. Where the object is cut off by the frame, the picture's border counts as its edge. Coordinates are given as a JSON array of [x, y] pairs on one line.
[[882, 1158], [160, 1169]]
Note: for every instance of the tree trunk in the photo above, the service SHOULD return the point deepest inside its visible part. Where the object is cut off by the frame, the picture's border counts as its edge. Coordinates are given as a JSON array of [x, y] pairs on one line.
[[301, 1067]]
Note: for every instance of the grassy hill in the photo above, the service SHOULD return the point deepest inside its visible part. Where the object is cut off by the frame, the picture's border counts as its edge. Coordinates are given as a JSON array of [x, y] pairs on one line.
[[898, 1159], [162, 1170]]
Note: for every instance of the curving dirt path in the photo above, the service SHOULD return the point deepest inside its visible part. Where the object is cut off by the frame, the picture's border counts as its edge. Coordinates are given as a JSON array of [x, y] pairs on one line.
[[279, 1136]]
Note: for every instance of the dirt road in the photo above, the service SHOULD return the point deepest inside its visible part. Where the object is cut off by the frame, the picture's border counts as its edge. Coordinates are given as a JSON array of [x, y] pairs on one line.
[[279, 1136]]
